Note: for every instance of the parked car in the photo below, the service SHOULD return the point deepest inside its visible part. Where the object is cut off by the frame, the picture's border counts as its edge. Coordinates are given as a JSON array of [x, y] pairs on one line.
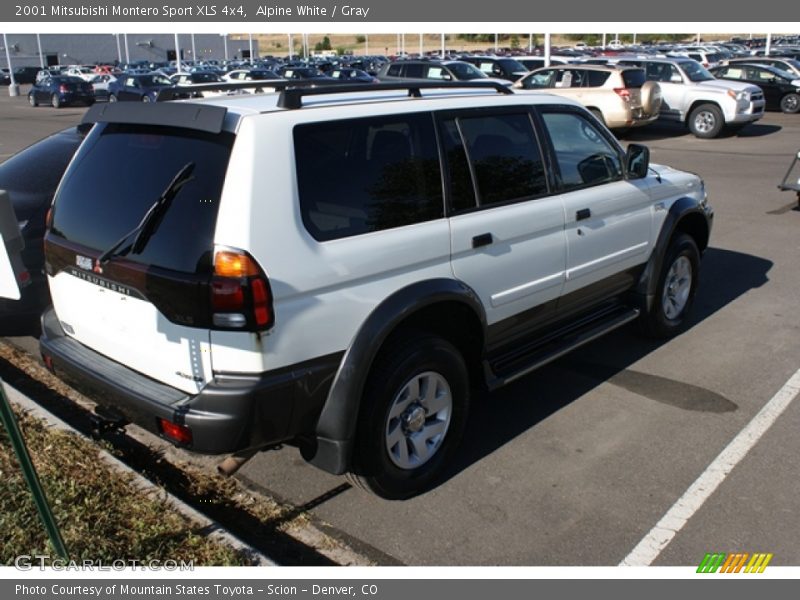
[[784, 63], [81, 72], [502, 68], [194, 77], [5, 77], [619, 97], [61, 91], [444, 70], [137, 87], [432, 244], [348, 75], [30, 177], [250, 75], [302, 73], [25, 74], [537, 62], [781, 88], [693, 96], [100, 84]]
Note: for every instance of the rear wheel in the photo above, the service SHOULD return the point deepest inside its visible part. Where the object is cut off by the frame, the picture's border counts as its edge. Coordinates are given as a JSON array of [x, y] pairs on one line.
[[32, 100], [55, 101], [790, 103], [412, 417], [146, 98], [677, 284], [706, 121], [112, 98]]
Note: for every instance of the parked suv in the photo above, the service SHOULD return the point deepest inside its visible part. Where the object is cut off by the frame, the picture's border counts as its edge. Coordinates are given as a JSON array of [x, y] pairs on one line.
[[619, 97], [338, 267], [692, 95], [445, 70]]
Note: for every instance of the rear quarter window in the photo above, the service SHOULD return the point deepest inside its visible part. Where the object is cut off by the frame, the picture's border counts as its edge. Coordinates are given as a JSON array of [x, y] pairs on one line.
[[634, 78], [357, 176]]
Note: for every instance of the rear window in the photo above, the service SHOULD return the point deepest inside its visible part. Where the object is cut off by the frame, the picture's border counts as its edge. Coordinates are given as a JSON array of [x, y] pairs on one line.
[[361, 175], [634, 78], [119, 173]]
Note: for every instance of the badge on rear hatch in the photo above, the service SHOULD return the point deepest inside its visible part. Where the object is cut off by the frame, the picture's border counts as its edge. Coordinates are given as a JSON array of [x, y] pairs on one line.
[[84, 262]]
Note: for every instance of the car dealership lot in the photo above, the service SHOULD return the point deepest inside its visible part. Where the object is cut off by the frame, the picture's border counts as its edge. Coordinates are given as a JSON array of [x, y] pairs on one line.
[[575, 464]]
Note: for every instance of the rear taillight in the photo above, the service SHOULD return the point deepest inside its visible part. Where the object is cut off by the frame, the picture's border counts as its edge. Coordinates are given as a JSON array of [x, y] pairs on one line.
[[63, 89], [240, 294], [623, 93], [179, 434]]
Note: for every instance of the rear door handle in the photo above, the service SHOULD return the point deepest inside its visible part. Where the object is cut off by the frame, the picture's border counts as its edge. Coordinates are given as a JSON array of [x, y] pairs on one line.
[[583, 214], [483, 239]]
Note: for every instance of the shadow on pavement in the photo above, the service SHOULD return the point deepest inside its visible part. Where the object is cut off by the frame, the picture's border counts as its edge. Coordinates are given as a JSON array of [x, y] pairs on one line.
[[498, 418]]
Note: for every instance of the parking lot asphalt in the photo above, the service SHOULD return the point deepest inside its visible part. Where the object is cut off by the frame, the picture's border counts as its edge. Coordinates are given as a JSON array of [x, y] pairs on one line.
[[574, 464]]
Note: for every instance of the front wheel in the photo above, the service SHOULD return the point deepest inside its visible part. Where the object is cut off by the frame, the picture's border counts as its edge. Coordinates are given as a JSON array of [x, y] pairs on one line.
[[412, 417], [790, 103], [677, 285], [32, 100], [112, 98], [146, 98], [55, 101], [706, 121]]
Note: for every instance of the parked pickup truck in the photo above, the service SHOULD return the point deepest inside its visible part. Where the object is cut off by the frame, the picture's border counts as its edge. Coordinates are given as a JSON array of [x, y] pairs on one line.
[[692, 95]]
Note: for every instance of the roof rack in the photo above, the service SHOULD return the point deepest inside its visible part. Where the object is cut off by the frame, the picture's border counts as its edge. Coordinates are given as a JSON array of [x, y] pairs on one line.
[[293, 91]]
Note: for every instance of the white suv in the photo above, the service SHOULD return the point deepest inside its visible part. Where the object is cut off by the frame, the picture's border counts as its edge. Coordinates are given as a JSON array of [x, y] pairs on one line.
[[337, 268]]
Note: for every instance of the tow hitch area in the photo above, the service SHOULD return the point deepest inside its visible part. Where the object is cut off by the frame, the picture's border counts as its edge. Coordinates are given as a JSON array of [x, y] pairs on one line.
[[104, 422]]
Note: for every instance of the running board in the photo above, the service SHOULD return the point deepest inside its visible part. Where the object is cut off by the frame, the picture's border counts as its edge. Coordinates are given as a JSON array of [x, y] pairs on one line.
[[569, 342]]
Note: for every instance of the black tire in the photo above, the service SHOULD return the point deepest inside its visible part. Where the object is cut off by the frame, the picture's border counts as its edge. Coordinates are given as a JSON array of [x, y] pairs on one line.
[[668, 314], [706, 121], [146, 98], [112, 98], [790, 103], [55, 101], [428, 360], [32, 100]]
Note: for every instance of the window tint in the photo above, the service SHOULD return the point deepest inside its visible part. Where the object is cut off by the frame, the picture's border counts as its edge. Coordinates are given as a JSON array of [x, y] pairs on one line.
[[598, 78], [413, 70], [634, 78], [119, 173], [583, 154], [505, 157], [363, 175], [462, 192]]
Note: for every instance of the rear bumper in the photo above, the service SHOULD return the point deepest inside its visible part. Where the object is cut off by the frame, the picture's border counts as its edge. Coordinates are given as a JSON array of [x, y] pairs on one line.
[[233, 412]]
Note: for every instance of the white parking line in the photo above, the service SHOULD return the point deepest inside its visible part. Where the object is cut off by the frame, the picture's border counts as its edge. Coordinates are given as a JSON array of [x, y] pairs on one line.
[[647, 550]]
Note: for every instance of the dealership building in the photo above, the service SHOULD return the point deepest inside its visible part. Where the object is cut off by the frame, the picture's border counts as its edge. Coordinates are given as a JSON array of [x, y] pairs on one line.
[[71, 49]]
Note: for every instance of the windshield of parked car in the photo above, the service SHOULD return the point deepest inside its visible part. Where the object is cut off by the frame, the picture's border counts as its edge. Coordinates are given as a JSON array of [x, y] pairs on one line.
[[695, 71], [464, 71]]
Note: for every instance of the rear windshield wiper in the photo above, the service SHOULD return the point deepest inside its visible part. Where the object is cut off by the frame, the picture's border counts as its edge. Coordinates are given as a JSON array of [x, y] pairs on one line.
[[151, 219]]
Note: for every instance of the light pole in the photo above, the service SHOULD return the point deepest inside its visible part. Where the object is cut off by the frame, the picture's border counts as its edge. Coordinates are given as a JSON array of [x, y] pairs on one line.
[[178, 57], [127, 51], [119, 49], [13, 87], [41, 54]]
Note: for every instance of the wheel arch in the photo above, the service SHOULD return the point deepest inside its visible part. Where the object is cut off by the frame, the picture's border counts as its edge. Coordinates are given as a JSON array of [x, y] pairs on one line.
[[446, 307], [699, 102], [686, 215]]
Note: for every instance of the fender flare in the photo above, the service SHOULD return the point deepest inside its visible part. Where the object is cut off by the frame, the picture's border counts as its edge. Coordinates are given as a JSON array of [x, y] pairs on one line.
[[336, 426], [648, 280]]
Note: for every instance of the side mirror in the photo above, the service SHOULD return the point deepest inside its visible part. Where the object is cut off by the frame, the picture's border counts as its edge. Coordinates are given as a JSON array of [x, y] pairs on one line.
[[637, 161]]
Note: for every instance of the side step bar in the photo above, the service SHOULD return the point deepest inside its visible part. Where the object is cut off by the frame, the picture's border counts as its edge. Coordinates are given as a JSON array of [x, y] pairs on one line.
[[569, 342]]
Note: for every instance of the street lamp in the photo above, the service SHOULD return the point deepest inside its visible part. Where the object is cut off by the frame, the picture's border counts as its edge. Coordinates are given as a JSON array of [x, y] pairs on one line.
[[13, 86]]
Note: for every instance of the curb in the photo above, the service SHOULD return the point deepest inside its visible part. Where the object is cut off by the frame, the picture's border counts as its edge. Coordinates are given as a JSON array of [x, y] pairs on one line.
[[215, 530]]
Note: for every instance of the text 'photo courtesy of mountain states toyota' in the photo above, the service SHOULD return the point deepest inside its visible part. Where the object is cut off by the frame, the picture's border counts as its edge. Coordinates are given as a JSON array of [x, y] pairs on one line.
[[246, 294]]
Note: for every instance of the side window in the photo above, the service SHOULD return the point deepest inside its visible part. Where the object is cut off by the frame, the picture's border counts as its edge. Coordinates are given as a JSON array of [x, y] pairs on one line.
[[361, 175], [394, 70], [541, 79], [415, 71], [596, 78], [437, 73], [584, 156], [504, 157], [462, 192]]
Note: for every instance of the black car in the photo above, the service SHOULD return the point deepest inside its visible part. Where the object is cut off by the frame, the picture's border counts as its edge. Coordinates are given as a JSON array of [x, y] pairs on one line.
[[302, 73], [494, 66], [30, 177], [195, 77], [348, 75], [445, 70], [26, 74], [781, 88], [61, 91], [138, 87]]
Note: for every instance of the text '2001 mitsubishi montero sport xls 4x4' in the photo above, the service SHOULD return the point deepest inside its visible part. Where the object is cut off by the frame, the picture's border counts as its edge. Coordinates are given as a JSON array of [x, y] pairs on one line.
[[338, 268]]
